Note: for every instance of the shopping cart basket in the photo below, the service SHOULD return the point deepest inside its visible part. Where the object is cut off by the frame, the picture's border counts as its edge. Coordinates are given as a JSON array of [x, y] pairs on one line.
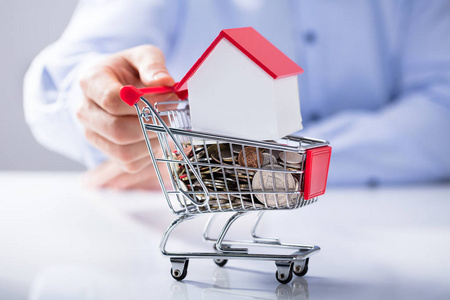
[[214, 174]]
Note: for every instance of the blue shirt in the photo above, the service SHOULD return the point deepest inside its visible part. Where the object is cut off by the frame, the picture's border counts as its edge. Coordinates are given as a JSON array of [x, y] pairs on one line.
[[376, 81]]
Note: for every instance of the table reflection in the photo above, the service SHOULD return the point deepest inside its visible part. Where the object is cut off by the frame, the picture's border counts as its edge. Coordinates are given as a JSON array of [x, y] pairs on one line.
[[221, 289], [86, 283]]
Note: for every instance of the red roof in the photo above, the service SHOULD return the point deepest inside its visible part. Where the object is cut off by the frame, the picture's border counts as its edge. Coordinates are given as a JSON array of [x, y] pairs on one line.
[[256, 47]]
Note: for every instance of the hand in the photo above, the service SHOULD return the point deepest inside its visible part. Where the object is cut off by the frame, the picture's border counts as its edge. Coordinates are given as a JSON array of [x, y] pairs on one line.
[[110, 174], [111, 125]]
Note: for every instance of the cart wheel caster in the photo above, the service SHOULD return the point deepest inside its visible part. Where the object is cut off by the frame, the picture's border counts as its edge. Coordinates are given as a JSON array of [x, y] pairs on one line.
[[284, 274], [300, 270], [220, 262], [176, 272]]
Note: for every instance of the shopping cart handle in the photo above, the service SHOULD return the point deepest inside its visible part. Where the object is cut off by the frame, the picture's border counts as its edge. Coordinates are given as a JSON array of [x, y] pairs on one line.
[[131, 94]]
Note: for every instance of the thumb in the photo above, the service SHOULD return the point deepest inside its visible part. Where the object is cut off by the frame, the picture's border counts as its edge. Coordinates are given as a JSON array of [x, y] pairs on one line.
[[149, 61]]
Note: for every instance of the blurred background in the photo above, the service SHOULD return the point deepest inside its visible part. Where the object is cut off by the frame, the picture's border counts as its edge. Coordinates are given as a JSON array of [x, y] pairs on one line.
[[26, 27]]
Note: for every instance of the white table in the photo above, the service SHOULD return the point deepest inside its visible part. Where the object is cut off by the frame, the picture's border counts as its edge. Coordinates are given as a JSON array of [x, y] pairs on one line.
[[59, 240]]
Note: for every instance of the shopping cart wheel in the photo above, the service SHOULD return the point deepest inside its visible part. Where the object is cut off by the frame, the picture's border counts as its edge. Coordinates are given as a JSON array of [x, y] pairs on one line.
[[300, 270], [284, 273], [179, 269], [220, 262]]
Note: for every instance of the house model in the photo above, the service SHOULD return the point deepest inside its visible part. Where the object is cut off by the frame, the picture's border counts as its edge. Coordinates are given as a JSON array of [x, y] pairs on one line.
[[244, 87]]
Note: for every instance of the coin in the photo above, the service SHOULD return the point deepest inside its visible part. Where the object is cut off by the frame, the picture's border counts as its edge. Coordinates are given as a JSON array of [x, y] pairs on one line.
[[292, 167], [290, 157], [219, 199], [185, 188], [203, 160], [267, 181], [208, 170], [186, 177], [250, 157], [268, 159], [182, 186], [250, 205], [225, 153], [198, 148], [222, 207], [237, 148], [240, 173], [215, 182], [229, 179]]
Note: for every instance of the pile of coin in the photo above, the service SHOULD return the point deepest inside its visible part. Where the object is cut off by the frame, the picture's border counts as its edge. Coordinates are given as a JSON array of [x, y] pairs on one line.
[[254, 177]]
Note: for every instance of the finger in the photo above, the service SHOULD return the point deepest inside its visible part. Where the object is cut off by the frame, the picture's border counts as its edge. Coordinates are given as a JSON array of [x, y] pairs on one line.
[[138, 165], [102, 174], [121, 130], [102, 86], [123, 154], [144, 179], [151, 65], [150, 184]]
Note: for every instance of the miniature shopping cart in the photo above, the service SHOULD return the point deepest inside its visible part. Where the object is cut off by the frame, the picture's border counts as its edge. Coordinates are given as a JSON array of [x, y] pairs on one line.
[[216, 174]]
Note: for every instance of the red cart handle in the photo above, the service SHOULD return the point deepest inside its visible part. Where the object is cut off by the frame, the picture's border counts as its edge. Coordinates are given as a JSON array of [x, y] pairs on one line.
[[131, 94]]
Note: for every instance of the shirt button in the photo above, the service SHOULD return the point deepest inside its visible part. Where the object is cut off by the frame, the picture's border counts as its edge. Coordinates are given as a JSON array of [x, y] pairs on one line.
[[310, 37]]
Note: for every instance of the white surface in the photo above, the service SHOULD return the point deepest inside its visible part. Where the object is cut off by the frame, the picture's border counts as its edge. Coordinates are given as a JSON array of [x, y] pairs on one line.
[[241, 98], [287, 105], [61, 241]]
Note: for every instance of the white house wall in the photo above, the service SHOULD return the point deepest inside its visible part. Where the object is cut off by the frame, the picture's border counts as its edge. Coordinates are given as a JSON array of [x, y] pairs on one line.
[[230, 95], [288, 105]]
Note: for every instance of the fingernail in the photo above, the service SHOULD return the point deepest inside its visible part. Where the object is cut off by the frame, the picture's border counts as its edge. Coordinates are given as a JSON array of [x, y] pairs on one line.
[[160, 75]]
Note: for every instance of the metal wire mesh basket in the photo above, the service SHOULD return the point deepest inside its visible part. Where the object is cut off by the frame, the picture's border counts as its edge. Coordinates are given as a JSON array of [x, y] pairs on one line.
[[212, 173]]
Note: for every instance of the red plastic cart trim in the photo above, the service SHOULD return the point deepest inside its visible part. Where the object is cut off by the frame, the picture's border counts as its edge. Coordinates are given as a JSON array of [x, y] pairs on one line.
[[316, 172], [131, 94], [254, 46]]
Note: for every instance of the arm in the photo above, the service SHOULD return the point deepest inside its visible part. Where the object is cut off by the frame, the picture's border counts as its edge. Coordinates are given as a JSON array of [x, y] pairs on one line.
[[407, 141], [52, 92]]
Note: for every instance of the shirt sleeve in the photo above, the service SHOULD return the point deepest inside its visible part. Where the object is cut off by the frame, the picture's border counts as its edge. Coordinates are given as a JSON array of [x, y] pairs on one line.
[[98, 28], [408, 140]]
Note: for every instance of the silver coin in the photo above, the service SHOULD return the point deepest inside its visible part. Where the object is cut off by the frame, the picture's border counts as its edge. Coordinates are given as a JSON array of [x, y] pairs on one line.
[[208, 170], [222, 200], [269, 159], [202, 160], [199, 148], [290, 157], [267, 181], [216, 206], [225, 153], [275, 153], [249, 205], [183, 187], [243, 174], [198, 155], [291, 166], [217, 182], [275, 167], [245, 197]]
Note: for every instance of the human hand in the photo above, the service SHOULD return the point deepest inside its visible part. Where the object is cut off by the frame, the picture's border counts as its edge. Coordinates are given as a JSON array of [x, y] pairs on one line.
[[111, 174], [111, 125]]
